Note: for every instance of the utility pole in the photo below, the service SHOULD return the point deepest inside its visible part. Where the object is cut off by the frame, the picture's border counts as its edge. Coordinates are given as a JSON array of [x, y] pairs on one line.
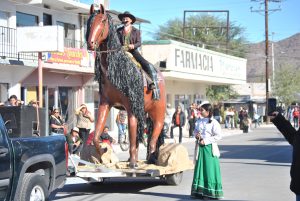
[[267, 57], [266, 11]]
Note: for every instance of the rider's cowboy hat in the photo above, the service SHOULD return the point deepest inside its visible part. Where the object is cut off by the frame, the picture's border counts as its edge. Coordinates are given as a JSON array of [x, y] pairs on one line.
[[127, 14]]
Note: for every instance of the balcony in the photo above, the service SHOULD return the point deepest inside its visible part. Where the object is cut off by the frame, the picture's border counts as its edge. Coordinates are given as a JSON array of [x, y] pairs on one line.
[[8, 46]]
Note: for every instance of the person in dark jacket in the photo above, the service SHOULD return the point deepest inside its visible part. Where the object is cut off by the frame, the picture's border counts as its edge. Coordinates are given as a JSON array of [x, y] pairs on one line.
[[293, 137], [130, 39], [178, 120]]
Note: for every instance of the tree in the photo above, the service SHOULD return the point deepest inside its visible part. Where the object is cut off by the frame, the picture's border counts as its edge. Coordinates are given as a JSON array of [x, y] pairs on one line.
[[213, 37], [286, 84], [218, 93]]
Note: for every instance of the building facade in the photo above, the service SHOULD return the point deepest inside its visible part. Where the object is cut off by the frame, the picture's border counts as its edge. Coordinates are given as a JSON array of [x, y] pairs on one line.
[[188, 70], [67, 75]]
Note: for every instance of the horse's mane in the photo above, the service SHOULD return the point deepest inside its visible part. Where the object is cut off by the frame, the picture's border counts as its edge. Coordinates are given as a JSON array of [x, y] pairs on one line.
[[124, 75]]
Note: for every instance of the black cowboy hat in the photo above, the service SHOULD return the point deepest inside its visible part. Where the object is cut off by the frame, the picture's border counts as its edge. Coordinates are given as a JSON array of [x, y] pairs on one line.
[[127, 14]]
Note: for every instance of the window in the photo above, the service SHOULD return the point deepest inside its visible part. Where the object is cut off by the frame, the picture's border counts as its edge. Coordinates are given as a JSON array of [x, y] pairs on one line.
[[47, 19], [24, 19], [69, 30], [3, 92], [3, 19]]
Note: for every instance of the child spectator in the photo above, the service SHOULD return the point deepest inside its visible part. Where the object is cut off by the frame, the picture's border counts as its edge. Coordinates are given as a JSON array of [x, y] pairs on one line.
[[105, 137], [75, 143]]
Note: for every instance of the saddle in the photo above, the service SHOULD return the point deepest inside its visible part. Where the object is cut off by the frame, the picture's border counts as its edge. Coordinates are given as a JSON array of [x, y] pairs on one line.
[[146, 78]]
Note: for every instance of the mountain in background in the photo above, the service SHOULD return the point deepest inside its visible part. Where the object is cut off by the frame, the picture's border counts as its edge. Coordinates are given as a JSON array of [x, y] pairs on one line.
[[286, 52]]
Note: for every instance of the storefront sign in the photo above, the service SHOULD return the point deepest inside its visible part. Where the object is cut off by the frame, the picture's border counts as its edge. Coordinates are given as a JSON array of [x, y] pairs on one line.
[[205, 62], [70, 56], [193, 60]]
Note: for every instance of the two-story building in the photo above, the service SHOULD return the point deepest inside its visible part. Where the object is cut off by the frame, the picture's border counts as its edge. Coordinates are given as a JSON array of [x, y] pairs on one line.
[[67, 75]]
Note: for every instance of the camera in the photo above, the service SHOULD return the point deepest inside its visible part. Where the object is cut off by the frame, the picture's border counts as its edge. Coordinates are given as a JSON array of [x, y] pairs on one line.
[[272, 102]]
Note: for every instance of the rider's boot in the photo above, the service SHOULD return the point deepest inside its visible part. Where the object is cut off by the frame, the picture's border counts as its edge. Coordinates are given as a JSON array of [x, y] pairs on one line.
[[154, 85]]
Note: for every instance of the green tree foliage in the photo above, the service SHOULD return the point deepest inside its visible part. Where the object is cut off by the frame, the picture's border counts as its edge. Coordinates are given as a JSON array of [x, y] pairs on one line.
[[218, 93], [208, 30], [286, 84]]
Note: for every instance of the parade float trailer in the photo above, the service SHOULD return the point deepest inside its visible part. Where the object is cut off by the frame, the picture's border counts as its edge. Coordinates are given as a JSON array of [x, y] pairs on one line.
[[172, 161]]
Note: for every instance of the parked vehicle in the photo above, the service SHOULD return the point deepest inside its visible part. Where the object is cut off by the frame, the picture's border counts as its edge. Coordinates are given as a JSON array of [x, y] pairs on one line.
[[31, 167]]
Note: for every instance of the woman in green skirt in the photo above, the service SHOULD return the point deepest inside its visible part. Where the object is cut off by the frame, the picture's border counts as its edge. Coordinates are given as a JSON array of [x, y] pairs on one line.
[[207, 182]]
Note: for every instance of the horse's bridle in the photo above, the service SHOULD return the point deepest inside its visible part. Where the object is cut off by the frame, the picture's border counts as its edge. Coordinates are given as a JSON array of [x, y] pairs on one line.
[[103, 21]]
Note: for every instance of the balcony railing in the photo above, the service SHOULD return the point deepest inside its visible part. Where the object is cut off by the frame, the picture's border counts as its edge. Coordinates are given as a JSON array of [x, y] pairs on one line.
[[8, 45]]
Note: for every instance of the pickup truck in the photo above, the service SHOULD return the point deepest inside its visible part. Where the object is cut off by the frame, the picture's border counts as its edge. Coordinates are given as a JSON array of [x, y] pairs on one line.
[[31, 167]]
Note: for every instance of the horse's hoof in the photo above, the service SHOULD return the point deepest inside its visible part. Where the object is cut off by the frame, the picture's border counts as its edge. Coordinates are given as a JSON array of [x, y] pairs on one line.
[[151, 159], [133, 165]]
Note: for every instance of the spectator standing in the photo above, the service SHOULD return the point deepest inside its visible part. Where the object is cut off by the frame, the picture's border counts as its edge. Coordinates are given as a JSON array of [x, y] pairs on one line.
[[84, 121], [168, 117], [241, 117], [293, 137], [75, 143], [217, 113], [207, 181], [178, 120], [12, 101], [296, 117], [256, 119], [122, 124], [229, 116], [191, 112], [56, 123]]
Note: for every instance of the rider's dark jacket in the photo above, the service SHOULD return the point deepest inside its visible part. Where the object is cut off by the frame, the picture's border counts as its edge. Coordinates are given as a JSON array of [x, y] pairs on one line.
[[293, 137], [135, 37]]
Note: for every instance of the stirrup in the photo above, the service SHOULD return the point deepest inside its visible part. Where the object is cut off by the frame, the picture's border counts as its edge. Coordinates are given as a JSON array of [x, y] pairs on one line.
[[155, 94], [151, 86]]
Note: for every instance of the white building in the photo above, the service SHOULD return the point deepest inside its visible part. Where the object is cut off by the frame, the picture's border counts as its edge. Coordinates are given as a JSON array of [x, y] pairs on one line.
[[189, 70]]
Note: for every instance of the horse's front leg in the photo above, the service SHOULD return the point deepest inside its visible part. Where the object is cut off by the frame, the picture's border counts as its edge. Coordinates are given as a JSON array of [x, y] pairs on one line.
[[157, 128], [132, 129], [103, 110]]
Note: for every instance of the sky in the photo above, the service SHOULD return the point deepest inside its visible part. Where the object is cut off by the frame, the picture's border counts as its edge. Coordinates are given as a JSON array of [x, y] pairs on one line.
[[283, 23]]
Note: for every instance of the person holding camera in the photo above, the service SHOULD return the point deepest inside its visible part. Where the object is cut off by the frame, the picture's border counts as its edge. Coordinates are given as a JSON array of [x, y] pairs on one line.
[[84, 121], [293, 137]]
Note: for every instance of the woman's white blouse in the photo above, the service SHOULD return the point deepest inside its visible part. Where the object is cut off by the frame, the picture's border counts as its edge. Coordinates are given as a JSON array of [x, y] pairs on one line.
[[210, 132]]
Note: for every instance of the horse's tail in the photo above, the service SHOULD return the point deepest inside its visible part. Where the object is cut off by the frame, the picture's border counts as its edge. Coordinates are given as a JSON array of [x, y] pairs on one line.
[[140, 130]]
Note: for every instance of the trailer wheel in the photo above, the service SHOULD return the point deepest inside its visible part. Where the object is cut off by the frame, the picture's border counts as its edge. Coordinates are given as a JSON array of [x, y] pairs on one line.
[[174, 179], [33, 188]]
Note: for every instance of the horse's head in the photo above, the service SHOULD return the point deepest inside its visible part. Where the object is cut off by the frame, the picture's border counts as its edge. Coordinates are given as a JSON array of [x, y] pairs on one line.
[[97, 27]]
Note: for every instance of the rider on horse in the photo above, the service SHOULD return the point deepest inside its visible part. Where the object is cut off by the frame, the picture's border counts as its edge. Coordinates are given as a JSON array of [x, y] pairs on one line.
[[130, 37]]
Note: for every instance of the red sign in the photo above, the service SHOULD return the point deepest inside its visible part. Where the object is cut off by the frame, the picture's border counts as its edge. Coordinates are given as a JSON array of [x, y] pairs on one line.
[[69, 56]]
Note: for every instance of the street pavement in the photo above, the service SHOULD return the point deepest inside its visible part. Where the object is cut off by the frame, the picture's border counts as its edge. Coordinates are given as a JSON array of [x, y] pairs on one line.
[[255, 166]]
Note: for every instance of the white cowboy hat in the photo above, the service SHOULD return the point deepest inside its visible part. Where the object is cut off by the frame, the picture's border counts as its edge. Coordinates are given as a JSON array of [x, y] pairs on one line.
[[75, 129]]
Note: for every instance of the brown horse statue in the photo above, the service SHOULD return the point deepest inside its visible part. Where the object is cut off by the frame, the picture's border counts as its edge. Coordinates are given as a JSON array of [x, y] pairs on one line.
[[121, 85]]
